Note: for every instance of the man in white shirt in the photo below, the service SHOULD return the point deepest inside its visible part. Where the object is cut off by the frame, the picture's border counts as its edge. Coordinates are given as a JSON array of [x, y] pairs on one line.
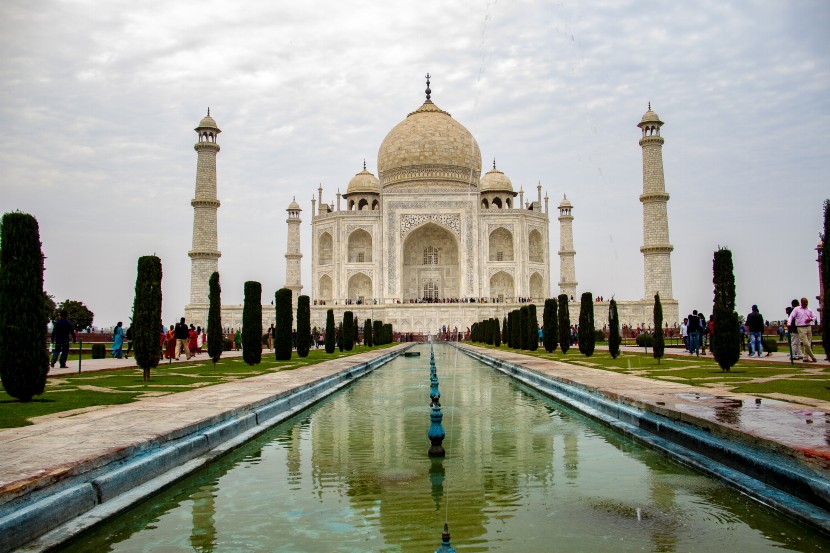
[[803, 318]]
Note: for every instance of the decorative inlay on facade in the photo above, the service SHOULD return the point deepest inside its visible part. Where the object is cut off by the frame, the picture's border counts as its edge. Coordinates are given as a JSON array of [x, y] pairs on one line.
[[391, 218], [327, 229], [540, 229], [351, 228], [352, 272], [450, 221], [493, 270], [506, 226], [425, 172]]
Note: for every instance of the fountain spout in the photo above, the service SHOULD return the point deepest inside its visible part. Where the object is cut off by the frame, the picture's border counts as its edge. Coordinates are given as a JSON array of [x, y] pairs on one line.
[[445, 541]]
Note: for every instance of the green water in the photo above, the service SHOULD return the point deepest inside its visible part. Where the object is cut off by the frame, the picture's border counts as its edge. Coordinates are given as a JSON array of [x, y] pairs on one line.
[[521, 474]]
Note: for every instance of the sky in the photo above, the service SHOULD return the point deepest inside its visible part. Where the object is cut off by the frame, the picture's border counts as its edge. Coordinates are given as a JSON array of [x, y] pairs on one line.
[[99, 102]]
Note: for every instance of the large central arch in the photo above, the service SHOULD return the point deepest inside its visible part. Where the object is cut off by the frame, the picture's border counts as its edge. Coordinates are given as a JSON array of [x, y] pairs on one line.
[[430, 264]]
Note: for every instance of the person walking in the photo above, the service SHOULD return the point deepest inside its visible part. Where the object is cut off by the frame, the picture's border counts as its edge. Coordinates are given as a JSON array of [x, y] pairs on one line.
[[684, 333], [61, 331], [182, 334], [755, 323], [128, 335], [118, 341], [271, 338], [238, 339], [693, 328], [193, 340], [804, 319], [792, 330]]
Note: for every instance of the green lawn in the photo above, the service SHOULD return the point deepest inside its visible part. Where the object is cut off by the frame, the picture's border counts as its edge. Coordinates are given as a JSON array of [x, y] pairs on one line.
[[112, 387], [750, 377]]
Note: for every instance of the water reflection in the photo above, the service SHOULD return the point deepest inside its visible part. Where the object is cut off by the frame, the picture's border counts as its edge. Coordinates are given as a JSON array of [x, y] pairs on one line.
[[353, 475]]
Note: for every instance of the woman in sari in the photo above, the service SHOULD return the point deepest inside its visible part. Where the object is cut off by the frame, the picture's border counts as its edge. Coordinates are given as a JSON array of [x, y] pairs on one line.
[[171, 342], [117, 340]]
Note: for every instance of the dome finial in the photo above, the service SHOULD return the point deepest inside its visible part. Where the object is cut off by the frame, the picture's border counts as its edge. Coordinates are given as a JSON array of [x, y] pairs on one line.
[[364, 163], [208, 111], [428, 91], [649, 106], [494, 163]]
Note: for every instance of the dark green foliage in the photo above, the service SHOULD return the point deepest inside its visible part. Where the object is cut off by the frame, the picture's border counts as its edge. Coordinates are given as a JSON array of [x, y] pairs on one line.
[[24, 360], [330, 345], [496, 333], [515, 329], [726, 341], [50, 309], [599, 335], [532, 328], [524, 318], [215, 338], [474, 333], [387, 336], [645, 340], [377, 333], [550, 326], [303, 326], [564, 324], [283, 325], [227, 344], [770, 345], [825, 280], [340, 336], [99, 351], [587, 337], [614, 337], [490, 328], [347, 336], [147, 313], [367, 333], [252, 323], [356, 332], [659, 342], [76, 313], [505, 331]]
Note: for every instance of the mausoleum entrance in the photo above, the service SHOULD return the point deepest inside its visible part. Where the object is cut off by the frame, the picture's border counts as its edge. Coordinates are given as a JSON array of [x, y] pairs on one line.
[[430, 265]]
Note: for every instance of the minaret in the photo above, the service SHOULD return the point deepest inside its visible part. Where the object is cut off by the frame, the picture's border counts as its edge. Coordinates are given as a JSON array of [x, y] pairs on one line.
[[293, 255], [656, 248], [567, 269], [204, 257]]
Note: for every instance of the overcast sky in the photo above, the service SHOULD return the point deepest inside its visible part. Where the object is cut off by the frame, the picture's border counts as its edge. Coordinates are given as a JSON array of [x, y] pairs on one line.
[[99, 102]]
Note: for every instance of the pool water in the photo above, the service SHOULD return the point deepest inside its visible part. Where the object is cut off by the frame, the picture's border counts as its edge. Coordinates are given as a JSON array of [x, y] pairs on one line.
[[522, 473]]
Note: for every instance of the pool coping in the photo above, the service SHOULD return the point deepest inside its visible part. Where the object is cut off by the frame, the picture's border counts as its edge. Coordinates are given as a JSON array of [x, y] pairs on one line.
[[53, 504], [776, 474]]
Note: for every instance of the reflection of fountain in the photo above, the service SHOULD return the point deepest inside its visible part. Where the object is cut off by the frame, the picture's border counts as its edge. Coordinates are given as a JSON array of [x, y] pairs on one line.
[[728, 410], [436, 478], [203, 531]]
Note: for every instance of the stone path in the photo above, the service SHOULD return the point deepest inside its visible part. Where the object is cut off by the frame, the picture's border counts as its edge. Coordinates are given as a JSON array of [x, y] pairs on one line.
[[802, 431]]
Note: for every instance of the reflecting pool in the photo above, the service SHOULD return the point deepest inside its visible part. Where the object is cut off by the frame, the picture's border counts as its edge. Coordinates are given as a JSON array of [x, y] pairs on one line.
[[522, 473]]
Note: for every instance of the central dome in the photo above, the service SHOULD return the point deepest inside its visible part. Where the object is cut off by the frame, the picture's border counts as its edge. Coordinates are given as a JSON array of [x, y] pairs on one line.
[[429, 149]]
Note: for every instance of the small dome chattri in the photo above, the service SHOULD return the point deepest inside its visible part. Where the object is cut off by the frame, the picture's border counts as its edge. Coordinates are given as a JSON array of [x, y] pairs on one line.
[[565, 202], [495, 181], [363, 183], [294, 206], [208, 122], [650, 117]]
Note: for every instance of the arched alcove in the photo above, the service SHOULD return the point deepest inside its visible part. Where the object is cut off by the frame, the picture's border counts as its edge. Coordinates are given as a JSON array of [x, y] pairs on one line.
[[360, 247], [501, 245], [535, 247], [502, 286], [537, 287], [430, 255], [360, 288], [325, 249]]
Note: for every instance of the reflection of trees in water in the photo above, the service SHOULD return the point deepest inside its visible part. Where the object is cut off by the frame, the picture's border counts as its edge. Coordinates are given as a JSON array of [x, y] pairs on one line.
[[728, 411], [203, 531]]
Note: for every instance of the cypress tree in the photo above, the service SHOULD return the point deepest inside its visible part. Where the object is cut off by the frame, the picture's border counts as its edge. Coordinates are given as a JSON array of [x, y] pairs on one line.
[[550, 328], [725, 341], [303, 326], [147, 314], [340, 336], [496, 333], [347, 336], [614, 338], [532, 328], [330, 331], [283, 325], [491, 331], [215, 336], [524, 318], [505, 331], [825, 280], [355, 332], [564, 323], [659, 343], [473, 336], [516, 329], [252, 323], [24, 360], [377, 331], [368, 339], [388, 333], [587, 336]]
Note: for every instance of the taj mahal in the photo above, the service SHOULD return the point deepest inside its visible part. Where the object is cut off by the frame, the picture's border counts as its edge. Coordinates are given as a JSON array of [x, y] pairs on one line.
[[430, 242]]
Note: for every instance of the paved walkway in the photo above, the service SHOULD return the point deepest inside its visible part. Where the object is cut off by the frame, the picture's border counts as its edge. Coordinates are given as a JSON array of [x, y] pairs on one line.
[[64, 444], [108, 363], [802, 431]]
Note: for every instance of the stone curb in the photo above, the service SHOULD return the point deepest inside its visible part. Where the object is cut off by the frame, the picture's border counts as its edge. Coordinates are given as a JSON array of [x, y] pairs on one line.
[[119, 479], [768, 475]]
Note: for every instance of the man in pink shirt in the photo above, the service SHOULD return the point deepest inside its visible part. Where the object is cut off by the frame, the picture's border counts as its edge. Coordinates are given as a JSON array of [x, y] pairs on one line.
[[804, 319]]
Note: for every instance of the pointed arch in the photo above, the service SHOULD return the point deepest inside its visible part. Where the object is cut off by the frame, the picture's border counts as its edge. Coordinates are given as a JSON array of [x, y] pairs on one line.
[[537, 287], [501, 245], [502, 287], [326, 249], [535, 247], [360, 247]]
